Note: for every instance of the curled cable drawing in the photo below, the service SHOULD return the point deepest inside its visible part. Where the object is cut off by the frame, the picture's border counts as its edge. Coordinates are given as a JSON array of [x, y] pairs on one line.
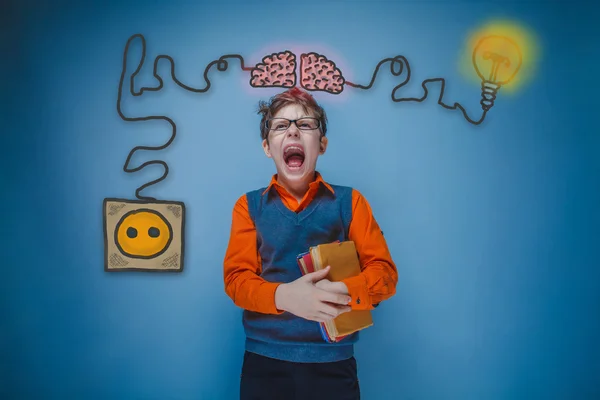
[[316, 73]]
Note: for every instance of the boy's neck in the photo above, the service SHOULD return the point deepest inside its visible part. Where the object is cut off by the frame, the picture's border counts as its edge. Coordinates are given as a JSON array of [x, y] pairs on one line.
[[297, 188]]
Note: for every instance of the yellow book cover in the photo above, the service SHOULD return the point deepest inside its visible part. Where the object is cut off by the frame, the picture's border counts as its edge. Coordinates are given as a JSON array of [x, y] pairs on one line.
[[342, 258]]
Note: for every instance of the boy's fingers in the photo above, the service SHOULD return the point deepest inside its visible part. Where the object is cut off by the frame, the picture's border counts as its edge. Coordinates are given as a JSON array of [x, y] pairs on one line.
[[335, 298], [327, 317], [323, 282], [317, 275], [329, 311], [322, 317], [339, 286]]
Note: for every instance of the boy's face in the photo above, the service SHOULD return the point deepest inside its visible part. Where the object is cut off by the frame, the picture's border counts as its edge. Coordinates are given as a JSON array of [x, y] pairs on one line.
[[294, 151]]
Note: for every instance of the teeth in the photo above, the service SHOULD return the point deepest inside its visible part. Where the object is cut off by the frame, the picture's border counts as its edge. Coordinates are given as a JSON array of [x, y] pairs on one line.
[[293, 148]]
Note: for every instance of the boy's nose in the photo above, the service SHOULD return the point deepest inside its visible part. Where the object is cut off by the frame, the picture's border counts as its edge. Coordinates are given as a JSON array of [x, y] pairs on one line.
[[293, 130]]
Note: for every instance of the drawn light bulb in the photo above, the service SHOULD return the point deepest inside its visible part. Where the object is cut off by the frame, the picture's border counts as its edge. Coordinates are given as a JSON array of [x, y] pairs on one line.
[[497, 60]]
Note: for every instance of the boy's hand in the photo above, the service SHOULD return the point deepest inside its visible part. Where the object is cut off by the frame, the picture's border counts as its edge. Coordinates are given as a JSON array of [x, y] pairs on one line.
[[304, 299], [335, 287]]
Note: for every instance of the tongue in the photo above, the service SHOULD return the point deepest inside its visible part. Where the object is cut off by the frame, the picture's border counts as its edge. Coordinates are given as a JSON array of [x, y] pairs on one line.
[[295, 161]]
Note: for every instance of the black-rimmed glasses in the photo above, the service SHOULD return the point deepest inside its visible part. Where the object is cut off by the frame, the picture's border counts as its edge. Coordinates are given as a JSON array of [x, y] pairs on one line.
[[282, 124]]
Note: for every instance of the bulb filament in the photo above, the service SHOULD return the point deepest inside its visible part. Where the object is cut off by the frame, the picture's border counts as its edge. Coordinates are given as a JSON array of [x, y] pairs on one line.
[[497, 60]]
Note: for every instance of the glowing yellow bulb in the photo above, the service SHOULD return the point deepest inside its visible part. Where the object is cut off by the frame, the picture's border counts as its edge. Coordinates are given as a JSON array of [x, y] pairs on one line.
[[497, 59], [504, 54]]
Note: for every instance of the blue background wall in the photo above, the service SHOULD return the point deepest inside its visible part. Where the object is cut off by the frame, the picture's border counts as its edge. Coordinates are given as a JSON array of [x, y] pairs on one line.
[[494, 227]]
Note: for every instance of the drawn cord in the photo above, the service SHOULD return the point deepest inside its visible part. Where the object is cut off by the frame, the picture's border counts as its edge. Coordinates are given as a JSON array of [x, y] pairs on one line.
[[397, 66], [221, 64]]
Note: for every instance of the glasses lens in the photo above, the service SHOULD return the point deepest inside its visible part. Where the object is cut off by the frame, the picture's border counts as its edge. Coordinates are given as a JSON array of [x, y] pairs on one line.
[[278, 124], [282, 124], [307, 123]]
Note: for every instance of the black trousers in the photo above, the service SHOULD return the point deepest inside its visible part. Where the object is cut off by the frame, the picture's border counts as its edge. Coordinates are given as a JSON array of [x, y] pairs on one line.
[[265, 378]]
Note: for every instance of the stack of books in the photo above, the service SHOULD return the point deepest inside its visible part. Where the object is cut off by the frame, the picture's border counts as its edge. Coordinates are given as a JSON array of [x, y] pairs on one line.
[[344, 263]]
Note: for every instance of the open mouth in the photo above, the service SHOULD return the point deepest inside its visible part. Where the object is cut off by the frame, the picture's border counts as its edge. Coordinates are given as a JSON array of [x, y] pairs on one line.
[[293, 155]]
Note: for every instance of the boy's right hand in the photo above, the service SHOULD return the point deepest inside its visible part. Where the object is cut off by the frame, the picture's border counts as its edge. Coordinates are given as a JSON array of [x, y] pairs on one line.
[[303, 299]]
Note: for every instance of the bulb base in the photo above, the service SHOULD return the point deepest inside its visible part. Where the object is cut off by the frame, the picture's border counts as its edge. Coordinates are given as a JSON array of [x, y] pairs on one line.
[[488, 94]]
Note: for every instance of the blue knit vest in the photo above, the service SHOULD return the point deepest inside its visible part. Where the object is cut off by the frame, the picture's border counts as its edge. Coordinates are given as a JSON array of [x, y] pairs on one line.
[[281, 235]]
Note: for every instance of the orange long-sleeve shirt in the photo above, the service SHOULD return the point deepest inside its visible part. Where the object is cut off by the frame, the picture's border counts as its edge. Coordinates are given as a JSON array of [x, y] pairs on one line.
[[242, 264]]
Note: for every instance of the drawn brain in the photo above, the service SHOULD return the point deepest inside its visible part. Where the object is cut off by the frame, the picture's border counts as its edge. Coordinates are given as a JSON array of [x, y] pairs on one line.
[[318, 73], [276, 70]]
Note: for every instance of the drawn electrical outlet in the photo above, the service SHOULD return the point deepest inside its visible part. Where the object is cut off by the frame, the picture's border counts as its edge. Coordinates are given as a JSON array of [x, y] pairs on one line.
[[143, 235]]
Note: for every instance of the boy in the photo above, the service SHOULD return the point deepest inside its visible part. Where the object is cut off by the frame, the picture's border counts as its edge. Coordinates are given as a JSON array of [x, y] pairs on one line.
[[286, 357]]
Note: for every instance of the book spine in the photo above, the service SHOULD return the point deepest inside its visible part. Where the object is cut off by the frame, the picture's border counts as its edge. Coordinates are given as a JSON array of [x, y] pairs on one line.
[[303, 259], [324, 333]]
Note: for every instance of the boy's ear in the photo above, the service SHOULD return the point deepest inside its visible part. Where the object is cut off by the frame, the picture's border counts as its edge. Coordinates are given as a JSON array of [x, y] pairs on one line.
[[323, 145], [266, 148]]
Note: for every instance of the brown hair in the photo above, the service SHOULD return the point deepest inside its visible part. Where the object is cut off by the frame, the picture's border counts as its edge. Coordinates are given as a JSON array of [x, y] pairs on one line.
[[290, 96]]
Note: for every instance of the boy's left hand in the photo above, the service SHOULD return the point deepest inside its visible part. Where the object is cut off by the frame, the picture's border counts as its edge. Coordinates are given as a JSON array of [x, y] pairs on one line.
[[335, 287]]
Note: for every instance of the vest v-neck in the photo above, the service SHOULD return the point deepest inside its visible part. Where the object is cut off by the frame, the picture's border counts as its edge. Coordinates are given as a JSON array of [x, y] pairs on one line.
[[297, 217]]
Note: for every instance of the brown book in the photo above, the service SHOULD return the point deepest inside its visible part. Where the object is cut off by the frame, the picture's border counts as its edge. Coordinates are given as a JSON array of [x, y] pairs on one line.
[[344, 263]]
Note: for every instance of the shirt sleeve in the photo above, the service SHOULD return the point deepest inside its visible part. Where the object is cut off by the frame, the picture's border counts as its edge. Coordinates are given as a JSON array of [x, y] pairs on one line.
[[379, 276], [242, 265]]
